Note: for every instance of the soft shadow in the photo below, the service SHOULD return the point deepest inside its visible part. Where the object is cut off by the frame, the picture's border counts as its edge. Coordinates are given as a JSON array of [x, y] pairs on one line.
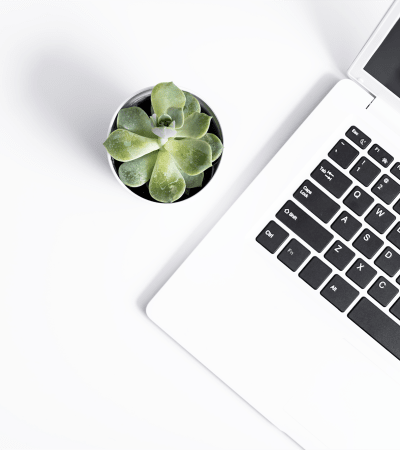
[[282, 134], [68, 93]]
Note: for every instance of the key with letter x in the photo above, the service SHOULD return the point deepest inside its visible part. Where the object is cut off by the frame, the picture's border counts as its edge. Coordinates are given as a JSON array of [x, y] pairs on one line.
[[361, 273]]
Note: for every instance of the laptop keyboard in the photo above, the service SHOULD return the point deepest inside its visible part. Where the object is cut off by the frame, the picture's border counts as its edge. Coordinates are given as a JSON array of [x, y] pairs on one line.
[[358, 242]]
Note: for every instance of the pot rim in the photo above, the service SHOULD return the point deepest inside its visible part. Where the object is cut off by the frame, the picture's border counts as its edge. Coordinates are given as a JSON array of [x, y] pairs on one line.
[[137, 93]]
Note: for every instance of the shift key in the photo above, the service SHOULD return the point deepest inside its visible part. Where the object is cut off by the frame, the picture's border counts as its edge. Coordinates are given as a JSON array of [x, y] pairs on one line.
[[304, 226], [332, 179]]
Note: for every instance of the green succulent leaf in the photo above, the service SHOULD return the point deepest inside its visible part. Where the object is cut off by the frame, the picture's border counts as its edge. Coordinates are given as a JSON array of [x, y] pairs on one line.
[[215, 144], [166, 183], [166, 98], [123, 145], [138, 171], [195, 126], [134, 119], [193, 181], [192, 105], [177, 116], [192, 156]]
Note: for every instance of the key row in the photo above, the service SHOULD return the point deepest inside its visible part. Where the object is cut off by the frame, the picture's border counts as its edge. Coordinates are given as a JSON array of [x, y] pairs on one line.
[[325, 208], [339, 255], [344, 153], [318, 237], [335, 182], [338, 291]]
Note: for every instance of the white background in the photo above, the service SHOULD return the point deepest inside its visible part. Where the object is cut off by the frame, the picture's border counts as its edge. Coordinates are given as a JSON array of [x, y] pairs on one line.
[[81, 366]]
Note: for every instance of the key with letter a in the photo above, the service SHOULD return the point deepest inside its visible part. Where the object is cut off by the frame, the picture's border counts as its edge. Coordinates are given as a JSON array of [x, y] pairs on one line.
[[346, 225]]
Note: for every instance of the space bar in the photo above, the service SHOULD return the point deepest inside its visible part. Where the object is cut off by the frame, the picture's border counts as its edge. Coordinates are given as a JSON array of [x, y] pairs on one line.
[[378, 325], [304, 226]]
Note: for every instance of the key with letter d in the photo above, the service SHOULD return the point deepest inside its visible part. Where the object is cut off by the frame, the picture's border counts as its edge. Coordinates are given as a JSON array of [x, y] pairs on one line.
[[389, 261]]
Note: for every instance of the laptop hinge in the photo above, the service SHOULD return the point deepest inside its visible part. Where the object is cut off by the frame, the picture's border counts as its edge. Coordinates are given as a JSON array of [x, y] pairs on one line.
[[384, 112]]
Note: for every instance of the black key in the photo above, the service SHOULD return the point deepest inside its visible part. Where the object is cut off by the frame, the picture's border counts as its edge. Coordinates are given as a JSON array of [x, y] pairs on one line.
[[365, 171], [331, 178], [368, 243], [383, 291], [386, 189], [380, 218], [396, 207], [395, 309], [380, 155], [395, 170], [358, 137], [358, 201], [293, 255], [394, 236], [377, 324], [272, 237], [346, 225], [315, 273], [304, 226], [388, 261], [361, 273], [316, 201], [340, 293], [343, 153], [339, 255]]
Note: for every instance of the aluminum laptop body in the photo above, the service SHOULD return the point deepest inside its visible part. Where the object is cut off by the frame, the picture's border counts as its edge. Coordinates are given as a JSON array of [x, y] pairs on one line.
[[286, 315]]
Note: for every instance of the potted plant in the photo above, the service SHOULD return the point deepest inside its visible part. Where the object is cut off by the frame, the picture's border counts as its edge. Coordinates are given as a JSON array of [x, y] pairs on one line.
[[162, 147]]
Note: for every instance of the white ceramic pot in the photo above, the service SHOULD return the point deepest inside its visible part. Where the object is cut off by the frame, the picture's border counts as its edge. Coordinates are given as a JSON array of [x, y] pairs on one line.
[[142, 99]]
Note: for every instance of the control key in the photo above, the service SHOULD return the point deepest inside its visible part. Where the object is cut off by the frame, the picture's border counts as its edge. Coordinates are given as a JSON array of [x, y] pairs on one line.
[[272, 237]]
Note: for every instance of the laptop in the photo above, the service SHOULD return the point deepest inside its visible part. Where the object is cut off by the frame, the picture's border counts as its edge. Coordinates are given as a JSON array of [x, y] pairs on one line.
[[298, 309]]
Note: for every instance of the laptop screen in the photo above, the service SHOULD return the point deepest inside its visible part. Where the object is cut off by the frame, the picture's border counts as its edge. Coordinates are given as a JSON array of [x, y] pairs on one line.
[[384, 65]]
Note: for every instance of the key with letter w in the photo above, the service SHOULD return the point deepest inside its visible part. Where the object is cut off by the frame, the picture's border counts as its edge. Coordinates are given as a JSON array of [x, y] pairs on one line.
[[380, 218]]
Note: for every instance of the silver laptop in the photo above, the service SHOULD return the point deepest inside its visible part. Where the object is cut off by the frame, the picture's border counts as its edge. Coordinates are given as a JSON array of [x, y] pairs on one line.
[[293, 298]]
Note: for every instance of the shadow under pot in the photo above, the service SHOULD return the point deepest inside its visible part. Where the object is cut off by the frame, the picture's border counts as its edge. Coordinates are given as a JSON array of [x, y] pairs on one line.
[[143, 100]]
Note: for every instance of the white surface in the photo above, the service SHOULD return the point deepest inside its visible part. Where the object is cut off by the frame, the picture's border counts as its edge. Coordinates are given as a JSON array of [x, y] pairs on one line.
[[82, 366]]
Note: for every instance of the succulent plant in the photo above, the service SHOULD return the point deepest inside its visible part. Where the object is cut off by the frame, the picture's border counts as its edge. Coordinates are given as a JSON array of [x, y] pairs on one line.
[[170, 150]]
